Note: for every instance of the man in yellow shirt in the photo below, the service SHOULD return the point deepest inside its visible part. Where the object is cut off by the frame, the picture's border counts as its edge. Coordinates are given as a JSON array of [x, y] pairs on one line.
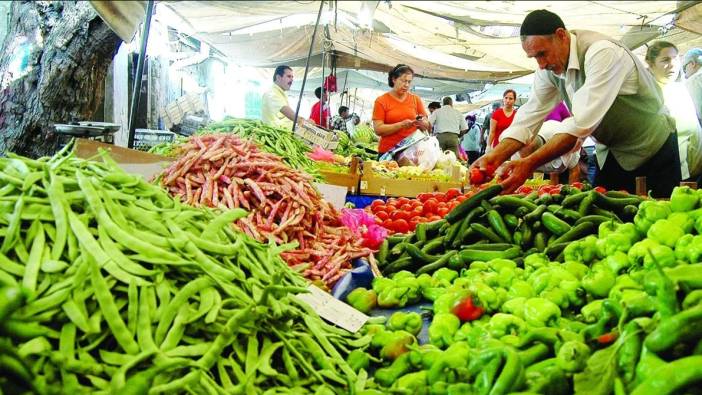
[[275, 110]]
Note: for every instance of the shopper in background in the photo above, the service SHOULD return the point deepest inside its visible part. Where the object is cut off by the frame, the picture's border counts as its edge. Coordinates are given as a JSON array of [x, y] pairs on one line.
[[448, 124], [663, 61], [398, 113], [339, 121], [471, 140], [351, 122], [433, 106], [275, 110], [485, 131], [692, 64], [611, 96], [315, 114], [502, 118]]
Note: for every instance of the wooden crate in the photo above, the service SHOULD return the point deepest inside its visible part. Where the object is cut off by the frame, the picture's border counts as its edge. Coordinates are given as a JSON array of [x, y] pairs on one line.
[[372, 184], [349, 180]]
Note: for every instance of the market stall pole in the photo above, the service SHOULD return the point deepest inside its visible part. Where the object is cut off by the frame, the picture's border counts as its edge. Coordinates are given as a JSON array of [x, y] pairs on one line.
[[307, 65], [140, 69]]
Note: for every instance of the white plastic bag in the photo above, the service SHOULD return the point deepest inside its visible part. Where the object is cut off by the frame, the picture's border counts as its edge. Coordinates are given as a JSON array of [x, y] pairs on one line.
[[423, 154]]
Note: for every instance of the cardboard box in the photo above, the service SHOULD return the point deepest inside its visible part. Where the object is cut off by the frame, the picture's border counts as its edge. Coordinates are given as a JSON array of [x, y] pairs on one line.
[[372, 184], [132, 161]]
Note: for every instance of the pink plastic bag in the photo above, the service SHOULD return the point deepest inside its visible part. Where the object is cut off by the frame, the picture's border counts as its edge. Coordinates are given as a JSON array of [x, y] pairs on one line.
[[363, 225], [320, 154]]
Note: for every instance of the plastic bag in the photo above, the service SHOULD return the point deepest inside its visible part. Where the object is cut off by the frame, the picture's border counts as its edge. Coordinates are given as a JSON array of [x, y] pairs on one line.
[[424, 154], [363, 226], [320, 154]]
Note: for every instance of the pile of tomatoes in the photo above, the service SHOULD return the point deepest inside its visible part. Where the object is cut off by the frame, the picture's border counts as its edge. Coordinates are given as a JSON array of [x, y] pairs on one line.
[[401, 215]]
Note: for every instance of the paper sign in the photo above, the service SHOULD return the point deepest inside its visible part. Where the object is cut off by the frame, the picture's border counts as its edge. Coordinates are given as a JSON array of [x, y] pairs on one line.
[[538, 176], [333, 194], [333, 310]]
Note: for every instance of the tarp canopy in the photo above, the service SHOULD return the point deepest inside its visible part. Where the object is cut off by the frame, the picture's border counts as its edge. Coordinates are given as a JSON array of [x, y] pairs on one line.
[[475, 40]]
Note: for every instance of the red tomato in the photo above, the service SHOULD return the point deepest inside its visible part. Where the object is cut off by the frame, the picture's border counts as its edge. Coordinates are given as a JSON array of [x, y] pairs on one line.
[[476, 176], [416, 203], [391, 201], [417, 211], [434, 218], [442, 211], [525, 190], [430, 206], [413, 223], [555, 190], [423, 197], [600, 189], [390, 207], [382, 215], [399, 214], [442, 205], [577, 185], [377, 202], [452, 193], [439, 196], [406, 207], [460, 199], [452, 205], [388, 224], [402, 200], [401, 226], [379, 207]]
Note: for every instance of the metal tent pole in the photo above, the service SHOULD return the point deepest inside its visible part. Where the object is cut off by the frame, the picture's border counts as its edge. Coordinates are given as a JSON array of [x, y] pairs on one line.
[[307, 65], [139, 71]]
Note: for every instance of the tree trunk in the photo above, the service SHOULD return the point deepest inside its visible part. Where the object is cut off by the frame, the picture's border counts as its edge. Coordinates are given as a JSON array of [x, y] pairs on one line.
[[52, 70]]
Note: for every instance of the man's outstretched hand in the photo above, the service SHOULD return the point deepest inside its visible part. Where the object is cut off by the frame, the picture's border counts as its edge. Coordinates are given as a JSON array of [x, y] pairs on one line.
[[514, 173]]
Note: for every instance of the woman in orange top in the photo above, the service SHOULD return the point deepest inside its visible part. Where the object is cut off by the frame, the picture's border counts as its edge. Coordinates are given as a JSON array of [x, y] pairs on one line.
[[398, 113]]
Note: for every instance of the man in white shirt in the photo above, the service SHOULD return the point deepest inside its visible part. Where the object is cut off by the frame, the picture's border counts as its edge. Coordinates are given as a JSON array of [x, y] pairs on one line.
[[612, 97], [275, 110], [692, 64], [448, 123]]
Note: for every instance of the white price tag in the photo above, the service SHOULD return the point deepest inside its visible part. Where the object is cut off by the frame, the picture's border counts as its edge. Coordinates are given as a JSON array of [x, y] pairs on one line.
[[333, 310]]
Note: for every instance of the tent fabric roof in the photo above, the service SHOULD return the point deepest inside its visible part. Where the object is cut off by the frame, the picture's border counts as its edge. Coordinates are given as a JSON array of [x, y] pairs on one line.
[[439, 39]]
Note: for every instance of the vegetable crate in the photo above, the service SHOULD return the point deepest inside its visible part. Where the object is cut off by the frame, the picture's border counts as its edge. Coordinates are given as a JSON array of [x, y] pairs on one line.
[[349, 180], [372, 184], [313, 135], [147, 138]]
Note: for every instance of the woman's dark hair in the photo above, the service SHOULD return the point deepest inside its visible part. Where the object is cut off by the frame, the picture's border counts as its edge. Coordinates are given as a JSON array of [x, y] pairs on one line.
[[318, 92], [655, 49], [435, 105], [399, 70], [512, 91]]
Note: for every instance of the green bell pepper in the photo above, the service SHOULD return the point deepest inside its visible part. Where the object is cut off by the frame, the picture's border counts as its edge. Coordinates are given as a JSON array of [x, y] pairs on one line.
[[396, 345], [572, 356], [612, 243], [487, 296], [682, 247], [536, 261], [591, 311], [577, 269], [362, 299], [540, 312], [683, 199], [444, 276], [649, 212], [599, 281], [410, 322], [503, 324], [665, 232], [684, 221], [605, 228], [388, 375], [617, 262], [442, 329], [663, 255], [357, 360], [520, 288], [415, 383], [514, 306], [583, 251], [638, 251]]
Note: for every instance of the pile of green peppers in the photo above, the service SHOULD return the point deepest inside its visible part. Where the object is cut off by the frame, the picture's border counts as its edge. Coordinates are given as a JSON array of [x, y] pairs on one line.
[[487, 226], [618, 311]]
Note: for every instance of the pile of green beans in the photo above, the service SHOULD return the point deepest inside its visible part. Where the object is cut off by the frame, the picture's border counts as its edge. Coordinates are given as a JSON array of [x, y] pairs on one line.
[[129, 291], [281, 142]]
